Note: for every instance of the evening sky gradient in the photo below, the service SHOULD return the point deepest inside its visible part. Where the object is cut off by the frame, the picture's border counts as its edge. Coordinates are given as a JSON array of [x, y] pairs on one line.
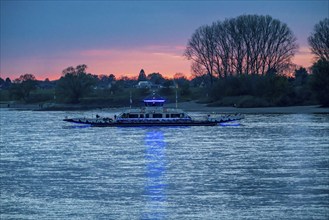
[[122, 37]]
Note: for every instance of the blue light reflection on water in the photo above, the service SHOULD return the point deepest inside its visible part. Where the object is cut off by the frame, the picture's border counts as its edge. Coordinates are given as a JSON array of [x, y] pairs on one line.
[[155, 182], [76, 126], [229, 124]]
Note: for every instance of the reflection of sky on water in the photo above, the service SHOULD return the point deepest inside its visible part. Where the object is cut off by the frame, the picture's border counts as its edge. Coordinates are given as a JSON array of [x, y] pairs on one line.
[[273, 166], [155, 186]]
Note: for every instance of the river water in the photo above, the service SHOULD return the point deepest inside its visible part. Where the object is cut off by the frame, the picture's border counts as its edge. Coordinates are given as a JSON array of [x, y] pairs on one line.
[[268, 167]]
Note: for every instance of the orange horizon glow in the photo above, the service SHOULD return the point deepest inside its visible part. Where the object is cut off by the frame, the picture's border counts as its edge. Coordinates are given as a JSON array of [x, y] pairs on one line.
[[166, 60], [304, 57]]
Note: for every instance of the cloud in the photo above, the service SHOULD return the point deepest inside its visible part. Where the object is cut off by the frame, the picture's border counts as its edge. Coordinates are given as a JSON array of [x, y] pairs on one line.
[[173, 51], [167, 60]]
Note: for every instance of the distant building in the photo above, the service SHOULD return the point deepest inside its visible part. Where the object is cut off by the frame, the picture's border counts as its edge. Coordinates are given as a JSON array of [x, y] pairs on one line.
[[46, 84], [144, 84]]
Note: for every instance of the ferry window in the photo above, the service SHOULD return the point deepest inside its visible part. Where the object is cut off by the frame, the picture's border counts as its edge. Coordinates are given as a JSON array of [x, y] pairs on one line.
[[147, 116], [175, 115], [133, 115], [167, 116], [157, 115], [141, 116]]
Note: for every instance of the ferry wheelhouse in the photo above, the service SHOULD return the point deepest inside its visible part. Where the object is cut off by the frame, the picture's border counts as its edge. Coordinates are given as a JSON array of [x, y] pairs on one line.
[[153, 110]]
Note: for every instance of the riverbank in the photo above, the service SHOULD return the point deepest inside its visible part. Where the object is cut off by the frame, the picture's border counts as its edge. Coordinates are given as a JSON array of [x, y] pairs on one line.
[[187, 106], [314, 109]]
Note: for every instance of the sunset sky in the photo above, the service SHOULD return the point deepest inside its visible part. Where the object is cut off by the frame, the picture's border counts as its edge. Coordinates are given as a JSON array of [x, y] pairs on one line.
[[122, 37]]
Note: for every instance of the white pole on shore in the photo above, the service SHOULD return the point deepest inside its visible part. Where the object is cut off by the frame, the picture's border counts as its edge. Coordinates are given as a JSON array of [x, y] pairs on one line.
[[176, 97], [130, 100]]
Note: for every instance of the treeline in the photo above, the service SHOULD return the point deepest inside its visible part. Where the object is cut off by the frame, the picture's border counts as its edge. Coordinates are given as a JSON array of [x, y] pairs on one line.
[[240, 62], [76, 85], [254, 90], [264, 91]]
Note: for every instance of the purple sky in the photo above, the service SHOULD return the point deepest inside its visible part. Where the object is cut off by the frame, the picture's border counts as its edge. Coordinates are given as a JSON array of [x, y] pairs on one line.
[[121, 37]]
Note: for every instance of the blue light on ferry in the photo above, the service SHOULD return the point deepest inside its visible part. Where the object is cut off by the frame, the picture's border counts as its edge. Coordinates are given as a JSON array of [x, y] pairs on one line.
[[154, 100]]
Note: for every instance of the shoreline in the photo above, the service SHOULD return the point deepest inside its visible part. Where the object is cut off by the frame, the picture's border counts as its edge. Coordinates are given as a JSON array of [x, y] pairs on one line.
[[312, 109], [186, 106]]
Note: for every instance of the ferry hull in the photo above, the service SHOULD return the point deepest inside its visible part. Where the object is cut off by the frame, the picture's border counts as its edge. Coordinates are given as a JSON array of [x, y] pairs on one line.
[[143, 124]]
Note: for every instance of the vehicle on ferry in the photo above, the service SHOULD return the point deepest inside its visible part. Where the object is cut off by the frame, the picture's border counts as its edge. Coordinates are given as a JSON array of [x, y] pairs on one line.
[[154, 113]]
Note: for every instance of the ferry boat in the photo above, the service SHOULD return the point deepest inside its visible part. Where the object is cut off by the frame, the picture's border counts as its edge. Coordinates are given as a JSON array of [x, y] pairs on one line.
[[153, 113]]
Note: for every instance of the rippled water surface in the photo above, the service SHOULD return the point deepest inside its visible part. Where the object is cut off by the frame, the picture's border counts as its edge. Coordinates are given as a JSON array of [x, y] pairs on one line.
[[269, 167]]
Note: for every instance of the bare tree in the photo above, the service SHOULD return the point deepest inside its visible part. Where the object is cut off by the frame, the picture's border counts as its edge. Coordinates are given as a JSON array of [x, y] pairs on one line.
[[319, 40], [200, 49], [198, 69], [248, 44]]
